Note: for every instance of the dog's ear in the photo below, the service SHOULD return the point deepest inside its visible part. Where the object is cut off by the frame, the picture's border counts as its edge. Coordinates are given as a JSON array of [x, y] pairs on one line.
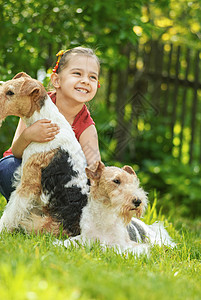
[[34, 89], [35, 93], [94, 171], [21, 74], [129, 170]]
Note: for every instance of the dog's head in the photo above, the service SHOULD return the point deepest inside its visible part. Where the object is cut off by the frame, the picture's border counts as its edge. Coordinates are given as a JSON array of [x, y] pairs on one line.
[[21, 96], [117, 188]]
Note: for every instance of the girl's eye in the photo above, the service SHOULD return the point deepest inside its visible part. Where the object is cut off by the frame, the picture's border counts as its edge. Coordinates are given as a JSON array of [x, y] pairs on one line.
[[77, 73], [94, 78]]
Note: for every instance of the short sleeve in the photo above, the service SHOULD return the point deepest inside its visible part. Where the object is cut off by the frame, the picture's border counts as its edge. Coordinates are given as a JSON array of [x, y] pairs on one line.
[[82, 121]]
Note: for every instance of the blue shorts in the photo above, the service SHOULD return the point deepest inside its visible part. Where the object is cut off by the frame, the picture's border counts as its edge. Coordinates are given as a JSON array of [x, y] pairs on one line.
[[8, 165]]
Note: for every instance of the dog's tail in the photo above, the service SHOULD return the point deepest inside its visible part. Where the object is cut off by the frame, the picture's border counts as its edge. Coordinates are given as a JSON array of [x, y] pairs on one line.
[[159, 235], [154, 234]]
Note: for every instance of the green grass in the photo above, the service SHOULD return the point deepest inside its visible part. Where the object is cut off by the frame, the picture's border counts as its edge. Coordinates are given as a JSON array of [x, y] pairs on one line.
[[31, 267]]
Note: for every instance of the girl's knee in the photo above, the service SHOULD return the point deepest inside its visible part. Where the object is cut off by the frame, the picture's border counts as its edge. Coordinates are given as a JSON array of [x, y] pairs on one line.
[[8, 166]]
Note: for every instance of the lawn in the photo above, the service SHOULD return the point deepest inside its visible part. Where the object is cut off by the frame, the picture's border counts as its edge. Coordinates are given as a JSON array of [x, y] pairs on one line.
[[33, 268]]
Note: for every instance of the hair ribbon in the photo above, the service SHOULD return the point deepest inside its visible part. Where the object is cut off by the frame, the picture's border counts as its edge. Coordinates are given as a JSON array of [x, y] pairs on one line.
[[59, 55]]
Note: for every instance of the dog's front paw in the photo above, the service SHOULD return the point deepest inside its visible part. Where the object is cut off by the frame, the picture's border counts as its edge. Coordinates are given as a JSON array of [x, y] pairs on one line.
[[138, 249], [142, 249], [74, 241]]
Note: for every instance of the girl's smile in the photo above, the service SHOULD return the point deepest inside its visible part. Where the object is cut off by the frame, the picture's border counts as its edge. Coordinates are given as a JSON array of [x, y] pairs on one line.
[[78, 81]]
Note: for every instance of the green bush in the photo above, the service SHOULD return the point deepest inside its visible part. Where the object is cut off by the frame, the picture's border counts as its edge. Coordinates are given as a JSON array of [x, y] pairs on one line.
[[177, 184]]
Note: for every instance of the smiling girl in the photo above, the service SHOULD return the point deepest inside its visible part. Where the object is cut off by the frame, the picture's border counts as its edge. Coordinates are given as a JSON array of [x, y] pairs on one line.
[[75, 80]]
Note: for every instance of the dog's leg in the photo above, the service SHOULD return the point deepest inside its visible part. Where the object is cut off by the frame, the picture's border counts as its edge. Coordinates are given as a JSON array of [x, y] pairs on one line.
[[16, 209], [139, 248], [27, 194]]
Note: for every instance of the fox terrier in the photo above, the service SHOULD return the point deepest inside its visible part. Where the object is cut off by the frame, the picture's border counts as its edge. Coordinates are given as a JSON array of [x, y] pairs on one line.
[[51, 183], [115, 197]]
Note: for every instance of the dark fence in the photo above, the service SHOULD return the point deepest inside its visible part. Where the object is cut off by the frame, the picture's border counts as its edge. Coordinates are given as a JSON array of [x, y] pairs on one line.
[[163, 78]]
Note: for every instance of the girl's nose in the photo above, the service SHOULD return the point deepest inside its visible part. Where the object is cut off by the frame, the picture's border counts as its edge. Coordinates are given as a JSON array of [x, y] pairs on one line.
[[85, 80]]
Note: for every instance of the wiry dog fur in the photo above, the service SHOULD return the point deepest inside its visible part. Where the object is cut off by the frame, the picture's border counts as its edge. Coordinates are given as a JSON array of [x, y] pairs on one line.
[[115, 197], [51, 184]]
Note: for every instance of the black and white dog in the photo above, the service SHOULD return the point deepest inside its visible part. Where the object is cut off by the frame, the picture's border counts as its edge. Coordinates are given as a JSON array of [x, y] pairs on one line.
[[51, 184]]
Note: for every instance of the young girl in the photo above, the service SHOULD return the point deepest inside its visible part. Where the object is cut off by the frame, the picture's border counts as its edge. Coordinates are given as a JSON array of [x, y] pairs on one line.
[[75, 79]]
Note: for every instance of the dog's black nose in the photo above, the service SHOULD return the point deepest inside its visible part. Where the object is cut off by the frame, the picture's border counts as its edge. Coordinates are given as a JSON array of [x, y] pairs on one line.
[[137, 202]]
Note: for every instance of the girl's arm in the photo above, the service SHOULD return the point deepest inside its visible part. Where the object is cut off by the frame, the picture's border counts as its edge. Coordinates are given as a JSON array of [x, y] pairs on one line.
[[41, 131], [89, 143]]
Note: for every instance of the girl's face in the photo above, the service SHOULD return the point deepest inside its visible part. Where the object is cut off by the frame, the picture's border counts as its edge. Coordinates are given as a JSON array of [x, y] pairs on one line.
[[79, 80]]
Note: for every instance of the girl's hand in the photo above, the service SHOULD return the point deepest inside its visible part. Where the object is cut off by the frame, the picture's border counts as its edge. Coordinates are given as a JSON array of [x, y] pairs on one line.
[[41, 131]]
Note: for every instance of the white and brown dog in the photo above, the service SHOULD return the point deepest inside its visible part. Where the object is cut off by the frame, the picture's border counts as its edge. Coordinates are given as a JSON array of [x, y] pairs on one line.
[[115, 197], [51, 184]]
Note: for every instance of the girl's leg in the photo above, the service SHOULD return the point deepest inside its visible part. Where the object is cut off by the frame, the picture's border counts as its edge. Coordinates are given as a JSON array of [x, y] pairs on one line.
[[8, 165]]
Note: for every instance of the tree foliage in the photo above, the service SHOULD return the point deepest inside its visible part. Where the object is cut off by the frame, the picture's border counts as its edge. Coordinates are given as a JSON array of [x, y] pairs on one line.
[[32, 31]]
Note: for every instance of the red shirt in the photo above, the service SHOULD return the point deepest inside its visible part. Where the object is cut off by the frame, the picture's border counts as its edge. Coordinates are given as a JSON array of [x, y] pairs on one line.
[[81, 122]]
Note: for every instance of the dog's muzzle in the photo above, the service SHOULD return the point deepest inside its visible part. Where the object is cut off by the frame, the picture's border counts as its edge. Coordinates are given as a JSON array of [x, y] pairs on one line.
[[137, 202]]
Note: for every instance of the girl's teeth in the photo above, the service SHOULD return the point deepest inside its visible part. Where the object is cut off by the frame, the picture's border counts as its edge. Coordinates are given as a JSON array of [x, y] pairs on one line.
[[82, 91]]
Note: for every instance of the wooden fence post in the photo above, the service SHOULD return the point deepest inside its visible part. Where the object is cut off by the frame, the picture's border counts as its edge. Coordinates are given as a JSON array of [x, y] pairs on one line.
[[194, 104]]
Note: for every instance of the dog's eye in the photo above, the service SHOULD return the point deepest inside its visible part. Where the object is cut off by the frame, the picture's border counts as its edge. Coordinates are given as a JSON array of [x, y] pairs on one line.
[[9, 93], [117, 181]]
